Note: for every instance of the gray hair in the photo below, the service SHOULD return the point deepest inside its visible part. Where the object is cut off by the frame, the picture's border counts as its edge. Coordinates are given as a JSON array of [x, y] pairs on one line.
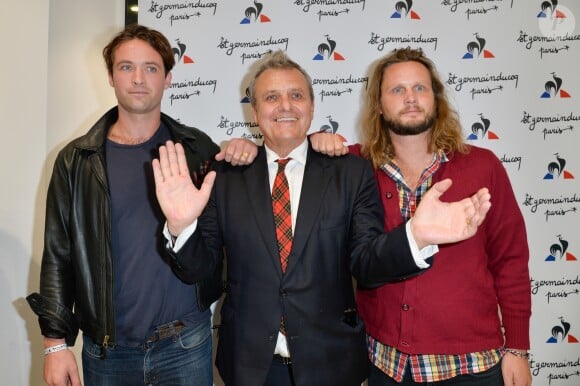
[[277, 60]]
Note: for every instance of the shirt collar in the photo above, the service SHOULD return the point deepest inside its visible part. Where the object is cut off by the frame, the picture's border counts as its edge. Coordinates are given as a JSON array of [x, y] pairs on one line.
[[297, 154], [392, 169]]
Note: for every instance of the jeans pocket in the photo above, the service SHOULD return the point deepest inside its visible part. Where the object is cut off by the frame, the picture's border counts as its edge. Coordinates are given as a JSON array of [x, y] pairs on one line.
[[194, 336], [91, 349]]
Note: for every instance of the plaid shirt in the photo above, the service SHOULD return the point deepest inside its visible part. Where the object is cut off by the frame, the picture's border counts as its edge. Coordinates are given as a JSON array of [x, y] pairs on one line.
[[424, 367]]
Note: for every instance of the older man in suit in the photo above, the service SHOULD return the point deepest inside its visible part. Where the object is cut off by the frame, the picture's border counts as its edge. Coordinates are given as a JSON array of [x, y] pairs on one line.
[[289, 315]]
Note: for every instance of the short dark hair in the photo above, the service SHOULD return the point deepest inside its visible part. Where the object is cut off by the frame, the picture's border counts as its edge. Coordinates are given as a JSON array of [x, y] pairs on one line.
[[136, 31]]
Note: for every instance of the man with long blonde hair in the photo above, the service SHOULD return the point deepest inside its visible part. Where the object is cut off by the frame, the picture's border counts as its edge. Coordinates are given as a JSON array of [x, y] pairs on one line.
[[442, 326]]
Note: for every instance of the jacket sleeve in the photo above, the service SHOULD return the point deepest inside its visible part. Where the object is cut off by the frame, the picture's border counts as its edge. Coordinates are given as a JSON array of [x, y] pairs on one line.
[[377, 257], [55, 302], [202, 254], [508, 252]]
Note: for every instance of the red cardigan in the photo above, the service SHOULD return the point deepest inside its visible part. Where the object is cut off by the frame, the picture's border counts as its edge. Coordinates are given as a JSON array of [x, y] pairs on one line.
[[452, 308]]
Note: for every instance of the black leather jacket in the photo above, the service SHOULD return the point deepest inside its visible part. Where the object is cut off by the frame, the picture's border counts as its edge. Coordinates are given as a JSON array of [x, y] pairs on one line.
[[76, 279]]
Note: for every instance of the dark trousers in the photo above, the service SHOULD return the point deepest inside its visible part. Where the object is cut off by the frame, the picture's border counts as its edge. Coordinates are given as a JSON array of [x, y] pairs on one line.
[[280, 375], [491, 377]]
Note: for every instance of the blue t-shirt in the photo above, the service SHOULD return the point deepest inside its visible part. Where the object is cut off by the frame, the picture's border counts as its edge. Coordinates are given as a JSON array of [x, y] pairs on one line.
[[147, 293]]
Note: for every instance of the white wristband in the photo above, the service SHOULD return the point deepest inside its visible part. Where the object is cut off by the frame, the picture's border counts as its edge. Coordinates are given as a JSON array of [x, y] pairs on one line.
[[58, 347]]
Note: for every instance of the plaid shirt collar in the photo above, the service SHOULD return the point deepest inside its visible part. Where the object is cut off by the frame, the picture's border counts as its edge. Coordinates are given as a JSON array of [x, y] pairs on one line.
[[408, 200]]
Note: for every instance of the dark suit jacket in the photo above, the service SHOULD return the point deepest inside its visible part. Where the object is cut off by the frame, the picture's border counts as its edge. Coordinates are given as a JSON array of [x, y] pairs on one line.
[[339, 232]]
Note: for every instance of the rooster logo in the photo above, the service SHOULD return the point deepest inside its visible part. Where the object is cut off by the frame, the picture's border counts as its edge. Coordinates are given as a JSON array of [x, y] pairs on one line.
[[553, 88], [549, 9], [254, 14], [332, 128], [556, 169], [246, 97], [179, 53], [560, 333], [559, 251], [480, 130], [326, 50], [476, 48], [403, 10]]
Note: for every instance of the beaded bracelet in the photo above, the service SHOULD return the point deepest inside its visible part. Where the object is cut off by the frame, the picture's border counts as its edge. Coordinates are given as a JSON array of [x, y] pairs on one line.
[[517, 353], [58, 347]]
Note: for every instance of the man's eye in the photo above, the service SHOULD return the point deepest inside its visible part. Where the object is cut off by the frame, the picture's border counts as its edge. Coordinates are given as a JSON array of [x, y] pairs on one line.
[[297, 96], [126, 67], [152, 69]]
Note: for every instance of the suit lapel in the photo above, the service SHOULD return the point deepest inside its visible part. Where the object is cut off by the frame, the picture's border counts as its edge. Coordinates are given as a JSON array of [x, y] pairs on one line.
[[260, 201], [314, 185]]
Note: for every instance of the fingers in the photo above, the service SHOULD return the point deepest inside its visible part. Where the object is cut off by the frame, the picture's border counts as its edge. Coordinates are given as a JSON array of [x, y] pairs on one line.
[[182, 167], [207, 184], [329, 144], [482, 205], [439, 188], [75, 379], [171, 162], [157, 173], [238, 151], [477, 207], [168, 160]]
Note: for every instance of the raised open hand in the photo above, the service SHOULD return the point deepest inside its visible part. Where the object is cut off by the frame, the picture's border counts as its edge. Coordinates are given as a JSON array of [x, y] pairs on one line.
[[437, 222], [180, 201]]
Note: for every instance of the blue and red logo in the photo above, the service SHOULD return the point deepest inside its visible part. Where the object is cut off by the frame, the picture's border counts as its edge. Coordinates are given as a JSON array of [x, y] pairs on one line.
[[179, 53], [403, 10], [480, 130], [326, 51], [332, 128], [246, 97], [557, 169], [254, 14], [559, 251], [554, 88], [476, 48], [550, 9], [561, 333]]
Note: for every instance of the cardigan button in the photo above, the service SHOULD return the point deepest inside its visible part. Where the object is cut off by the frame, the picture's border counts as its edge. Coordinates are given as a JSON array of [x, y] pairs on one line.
[[389, 195], [405, 307]]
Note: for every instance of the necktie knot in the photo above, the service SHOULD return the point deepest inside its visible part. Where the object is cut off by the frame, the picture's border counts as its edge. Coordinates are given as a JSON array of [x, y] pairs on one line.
[[282, 162]]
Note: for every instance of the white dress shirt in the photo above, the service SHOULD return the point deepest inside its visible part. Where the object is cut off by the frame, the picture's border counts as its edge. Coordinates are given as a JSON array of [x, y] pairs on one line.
[[295, 174]]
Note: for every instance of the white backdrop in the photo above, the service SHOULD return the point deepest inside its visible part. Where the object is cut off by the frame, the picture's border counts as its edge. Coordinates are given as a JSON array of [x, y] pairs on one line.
[[512, 72]]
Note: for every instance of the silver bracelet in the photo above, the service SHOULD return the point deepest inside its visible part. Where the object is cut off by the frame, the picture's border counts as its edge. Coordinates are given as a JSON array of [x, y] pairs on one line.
[[58, 347], [518, 353]]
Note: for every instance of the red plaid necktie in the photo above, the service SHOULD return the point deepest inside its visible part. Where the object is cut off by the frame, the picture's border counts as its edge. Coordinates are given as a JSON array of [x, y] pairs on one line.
[[282, 214]]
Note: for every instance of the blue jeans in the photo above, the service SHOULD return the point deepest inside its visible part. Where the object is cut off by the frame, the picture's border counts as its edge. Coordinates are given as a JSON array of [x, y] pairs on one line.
[[183, 359]]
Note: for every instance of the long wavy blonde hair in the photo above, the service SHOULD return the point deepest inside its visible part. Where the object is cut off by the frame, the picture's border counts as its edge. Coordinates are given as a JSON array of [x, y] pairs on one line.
[[446, 132]]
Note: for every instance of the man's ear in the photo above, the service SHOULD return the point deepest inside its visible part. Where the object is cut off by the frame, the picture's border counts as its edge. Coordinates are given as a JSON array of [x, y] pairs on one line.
[[168, 79], [254, 113]]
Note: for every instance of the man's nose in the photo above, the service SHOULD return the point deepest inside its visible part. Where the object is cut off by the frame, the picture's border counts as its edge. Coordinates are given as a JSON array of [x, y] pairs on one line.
[[138, 77], [410, 96], [285, 102]]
